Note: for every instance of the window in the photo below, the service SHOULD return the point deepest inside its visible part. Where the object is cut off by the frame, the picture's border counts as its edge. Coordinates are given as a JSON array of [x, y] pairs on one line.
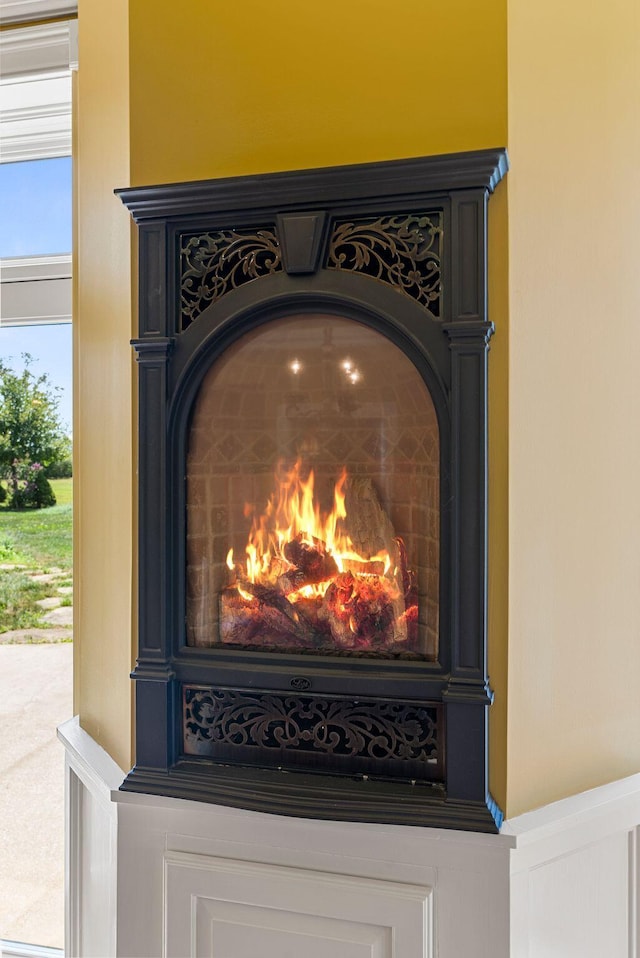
[[35, 314]]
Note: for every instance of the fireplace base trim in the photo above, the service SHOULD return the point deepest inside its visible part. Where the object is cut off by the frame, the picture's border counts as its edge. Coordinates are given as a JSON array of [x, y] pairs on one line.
[[308, 795]]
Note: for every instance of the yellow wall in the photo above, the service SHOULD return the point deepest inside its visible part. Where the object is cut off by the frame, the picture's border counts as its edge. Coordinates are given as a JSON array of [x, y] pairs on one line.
[[215, 89], [574, 215], [220, 89], [172, 92], [103, 380]]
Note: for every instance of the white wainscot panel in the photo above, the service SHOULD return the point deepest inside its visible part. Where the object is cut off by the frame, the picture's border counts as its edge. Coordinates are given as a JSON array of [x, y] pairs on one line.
[[216, 908], [91, 846], [578, 904], [574, 870], [95, 875]]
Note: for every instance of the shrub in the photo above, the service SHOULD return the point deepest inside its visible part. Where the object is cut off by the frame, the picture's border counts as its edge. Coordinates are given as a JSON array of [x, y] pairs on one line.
[[61, 469], [3, 493], [30, 427], [32, 489]]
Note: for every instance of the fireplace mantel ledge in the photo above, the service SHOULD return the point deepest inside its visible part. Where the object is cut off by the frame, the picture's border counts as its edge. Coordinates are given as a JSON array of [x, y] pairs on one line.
[[593, 810]]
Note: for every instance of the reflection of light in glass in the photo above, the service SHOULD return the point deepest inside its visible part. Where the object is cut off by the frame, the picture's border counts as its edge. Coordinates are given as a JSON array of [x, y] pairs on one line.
[[353, 375], [295, 366]]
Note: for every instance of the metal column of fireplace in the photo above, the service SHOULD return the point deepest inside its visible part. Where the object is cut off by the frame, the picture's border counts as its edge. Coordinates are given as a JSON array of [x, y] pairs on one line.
[[312, 356]]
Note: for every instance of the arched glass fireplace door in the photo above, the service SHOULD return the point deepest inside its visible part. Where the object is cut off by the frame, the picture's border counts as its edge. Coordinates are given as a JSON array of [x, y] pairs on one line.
[[313, 496]]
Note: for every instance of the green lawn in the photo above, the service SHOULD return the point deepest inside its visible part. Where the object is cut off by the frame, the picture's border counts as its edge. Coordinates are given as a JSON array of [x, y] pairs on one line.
[[63, 489], [40, 537]]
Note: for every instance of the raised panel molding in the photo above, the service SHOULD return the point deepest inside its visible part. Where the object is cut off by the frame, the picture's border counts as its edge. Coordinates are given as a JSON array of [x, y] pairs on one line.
[[225, 929], [218, 908]]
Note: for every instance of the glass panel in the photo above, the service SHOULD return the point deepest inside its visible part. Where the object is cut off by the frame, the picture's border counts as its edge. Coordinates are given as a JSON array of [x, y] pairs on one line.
[[35, 207], [313, 496]]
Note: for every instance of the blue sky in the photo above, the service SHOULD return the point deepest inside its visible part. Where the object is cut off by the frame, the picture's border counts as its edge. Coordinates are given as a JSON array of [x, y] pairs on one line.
[[35, 218], [35, 207]]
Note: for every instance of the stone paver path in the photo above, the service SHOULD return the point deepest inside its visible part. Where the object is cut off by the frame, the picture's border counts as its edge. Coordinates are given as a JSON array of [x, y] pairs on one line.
[[51, 602], [62, 616], [57, 618]]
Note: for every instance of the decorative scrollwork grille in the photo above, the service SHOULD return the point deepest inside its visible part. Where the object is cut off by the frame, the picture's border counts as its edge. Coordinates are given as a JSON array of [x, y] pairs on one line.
[[212, 264], [337, 734], [402, 250]]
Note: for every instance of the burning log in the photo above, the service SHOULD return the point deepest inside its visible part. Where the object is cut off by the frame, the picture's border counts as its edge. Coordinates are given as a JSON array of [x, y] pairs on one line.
[[366, 523], [362, 612], [407, 582], [265, 619], [240, 621], [270, 597], [409, 619], [363, 566], [406, 577], [307, 595], [312, 563]]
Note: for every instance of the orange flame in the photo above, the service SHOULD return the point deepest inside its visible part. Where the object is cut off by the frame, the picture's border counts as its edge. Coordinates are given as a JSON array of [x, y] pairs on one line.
[[293, 511]]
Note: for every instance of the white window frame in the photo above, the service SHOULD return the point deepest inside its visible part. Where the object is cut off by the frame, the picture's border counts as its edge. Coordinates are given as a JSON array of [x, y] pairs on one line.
[[24, 11], [36, 290], [35, 123]]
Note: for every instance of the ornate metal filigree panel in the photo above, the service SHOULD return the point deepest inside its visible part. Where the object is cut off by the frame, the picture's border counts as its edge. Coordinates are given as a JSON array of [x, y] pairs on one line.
[[212, 264], [337, 734], [402, 250]]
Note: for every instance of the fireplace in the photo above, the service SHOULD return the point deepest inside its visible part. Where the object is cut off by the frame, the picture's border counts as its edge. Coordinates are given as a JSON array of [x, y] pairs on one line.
[[313, 502], [312, 467]]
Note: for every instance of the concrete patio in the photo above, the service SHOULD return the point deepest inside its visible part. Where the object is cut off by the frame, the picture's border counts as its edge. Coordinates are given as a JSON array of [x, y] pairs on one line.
[[35, 697]]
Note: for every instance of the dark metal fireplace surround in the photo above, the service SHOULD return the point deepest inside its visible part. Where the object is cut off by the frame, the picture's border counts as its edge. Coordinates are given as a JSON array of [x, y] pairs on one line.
[[323, 325]]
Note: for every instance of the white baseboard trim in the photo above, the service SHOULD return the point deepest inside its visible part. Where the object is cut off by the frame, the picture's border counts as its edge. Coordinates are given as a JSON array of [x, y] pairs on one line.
[[90, 762], [571, 823]]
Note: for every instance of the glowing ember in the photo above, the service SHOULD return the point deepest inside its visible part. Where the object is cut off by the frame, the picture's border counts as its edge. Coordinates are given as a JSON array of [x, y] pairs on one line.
[[304, 585]]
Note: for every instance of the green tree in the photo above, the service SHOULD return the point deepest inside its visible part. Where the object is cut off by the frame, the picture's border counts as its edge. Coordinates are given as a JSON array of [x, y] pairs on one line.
[[30, 427]]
